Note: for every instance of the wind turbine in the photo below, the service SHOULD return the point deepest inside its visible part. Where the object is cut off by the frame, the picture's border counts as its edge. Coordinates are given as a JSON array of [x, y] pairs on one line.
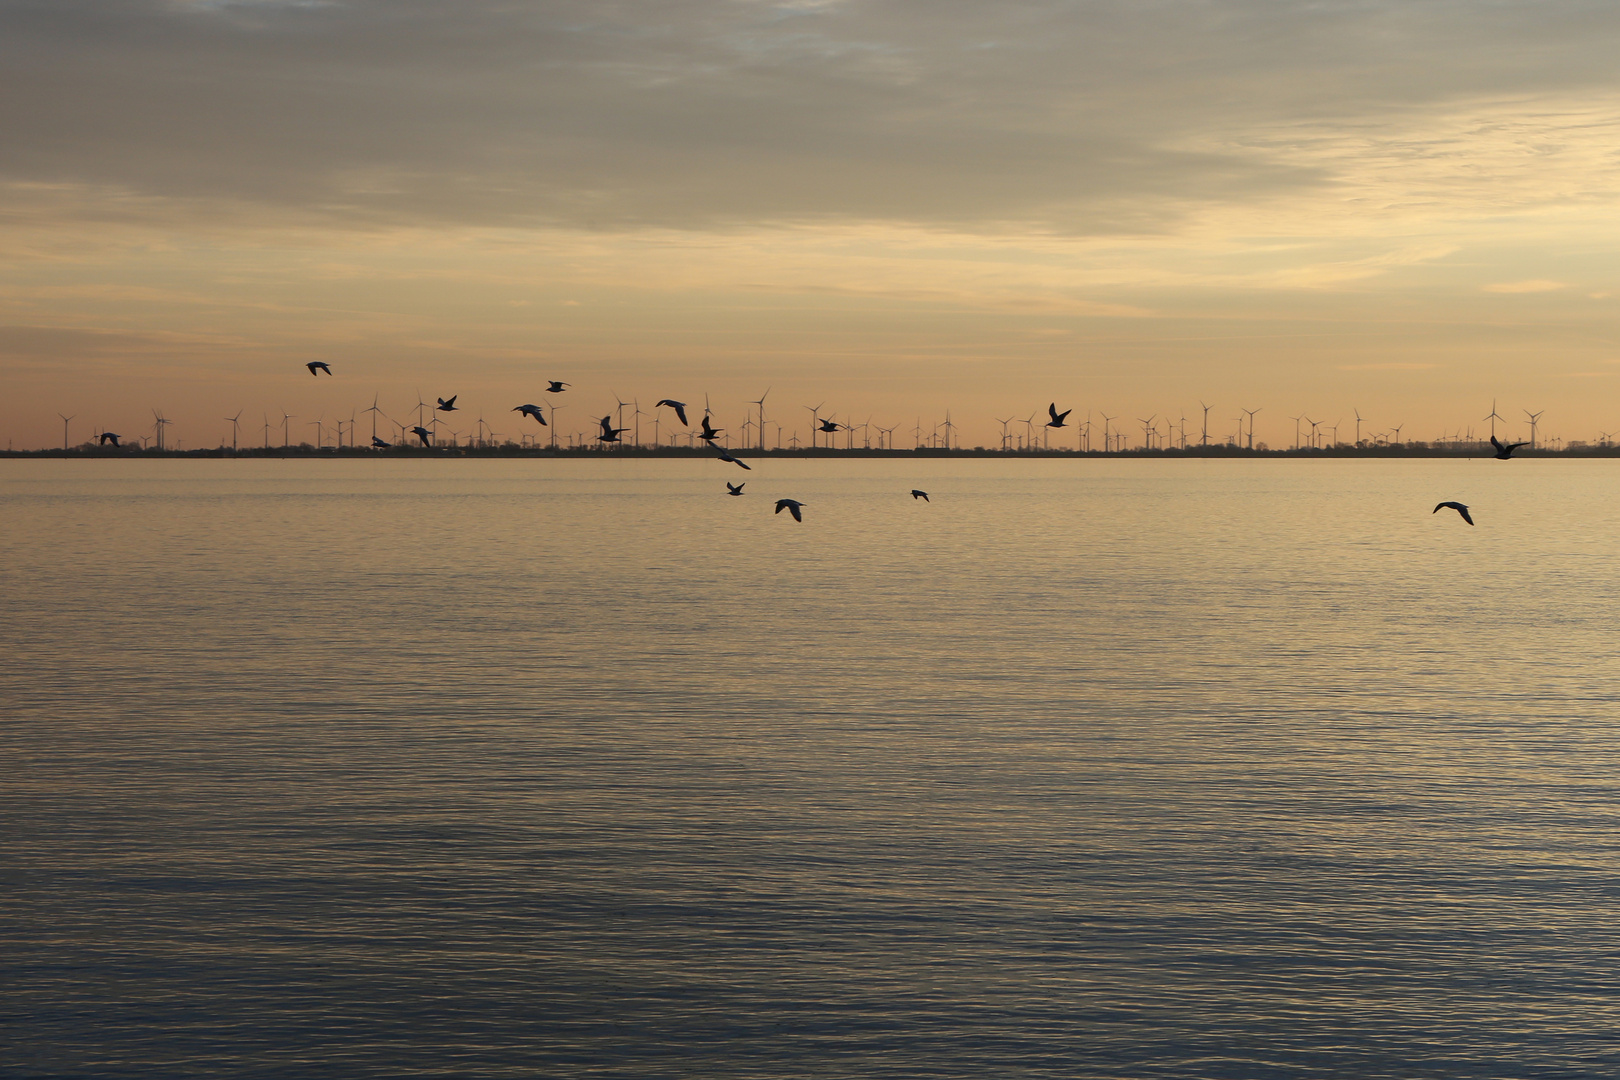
[[1147, 432], [1493, 417], [234, 427], [554, 409], [760, 401], [815, 421], [1251, 413], [1204, 438], [1533, 418], [159, 426], [374, 411], [65, 420], [1106, 420], [1358, 425], [286, 429]]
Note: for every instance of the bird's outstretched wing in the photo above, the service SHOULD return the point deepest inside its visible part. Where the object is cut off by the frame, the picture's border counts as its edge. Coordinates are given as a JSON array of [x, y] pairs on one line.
[[1457, 506]]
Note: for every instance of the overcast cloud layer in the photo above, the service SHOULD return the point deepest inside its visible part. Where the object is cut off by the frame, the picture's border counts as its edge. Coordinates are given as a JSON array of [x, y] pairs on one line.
[[1078, 117]]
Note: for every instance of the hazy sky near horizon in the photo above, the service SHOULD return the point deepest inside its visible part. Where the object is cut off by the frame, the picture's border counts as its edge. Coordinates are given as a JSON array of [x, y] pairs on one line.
[[898, 207]]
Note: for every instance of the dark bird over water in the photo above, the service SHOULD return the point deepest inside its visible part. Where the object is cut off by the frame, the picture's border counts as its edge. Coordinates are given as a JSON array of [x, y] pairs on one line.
[[1057, 417], [556, 387], [735, 489], [791, 506], [917, 494], [423, 433], [318, 366], [1504, 451], [534, 411], [110, 437], [1457, 506], [378, 444], [709, 431], [678, 406], [725, 455], [609, 432], [448, 405]]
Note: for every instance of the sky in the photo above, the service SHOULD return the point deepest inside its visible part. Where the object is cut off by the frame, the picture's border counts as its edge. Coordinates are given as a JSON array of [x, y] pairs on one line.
[[892, 207]]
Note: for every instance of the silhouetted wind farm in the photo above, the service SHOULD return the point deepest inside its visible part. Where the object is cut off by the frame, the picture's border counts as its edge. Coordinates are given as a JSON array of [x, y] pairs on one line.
[[817, 432]]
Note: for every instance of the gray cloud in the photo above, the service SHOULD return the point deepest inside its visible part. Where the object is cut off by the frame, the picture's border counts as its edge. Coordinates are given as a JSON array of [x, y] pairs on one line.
[[1069, 116]]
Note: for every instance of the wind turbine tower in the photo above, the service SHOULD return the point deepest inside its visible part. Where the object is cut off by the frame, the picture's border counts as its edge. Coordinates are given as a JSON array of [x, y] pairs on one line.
[[65, 420]]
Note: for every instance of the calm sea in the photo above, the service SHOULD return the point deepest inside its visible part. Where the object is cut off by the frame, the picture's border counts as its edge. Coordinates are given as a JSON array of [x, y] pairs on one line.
[[584, 769]]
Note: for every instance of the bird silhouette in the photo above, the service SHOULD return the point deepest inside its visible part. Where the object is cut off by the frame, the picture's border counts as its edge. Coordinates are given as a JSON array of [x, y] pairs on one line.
[[378, 444], [109, 437], [791, 506], [725, 455], [609, 432], [318, 366], [709, 431], [918, 494], [556, 387], [422, 433], [735, 489], [1057, 417], [448, 405], [534, 411], [1504, 451], [1457, 506], [678, 406], [828, 426]]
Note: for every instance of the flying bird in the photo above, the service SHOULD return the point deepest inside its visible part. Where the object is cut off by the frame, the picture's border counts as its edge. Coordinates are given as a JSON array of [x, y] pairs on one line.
[[109, 437], [1504, 451], [1057, 417], [725, 455], [709, 431], [609, 432], [918, 494], [448, 405], [422, 433], [678, 406], [735, 489], [791, 506], [1457, 506], [828, 426], [318, 366], [556, 387], [378, 444], [534, 411]]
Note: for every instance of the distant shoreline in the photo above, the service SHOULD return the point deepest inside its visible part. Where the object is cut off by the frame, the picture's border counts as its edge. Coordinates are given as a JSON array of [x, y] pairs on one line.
[[1408, 450]]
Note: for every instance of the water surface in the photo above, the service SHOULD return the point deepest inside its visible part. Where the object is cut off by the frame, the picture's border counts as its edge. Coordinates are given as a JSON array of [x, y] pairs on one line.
[[1083, 769]]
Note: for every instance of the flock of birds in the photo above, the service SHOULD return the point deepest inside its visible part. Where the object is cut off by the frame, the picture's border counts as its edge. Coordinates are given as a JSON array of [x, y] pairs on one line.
[[708, 433], [610, 434]]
